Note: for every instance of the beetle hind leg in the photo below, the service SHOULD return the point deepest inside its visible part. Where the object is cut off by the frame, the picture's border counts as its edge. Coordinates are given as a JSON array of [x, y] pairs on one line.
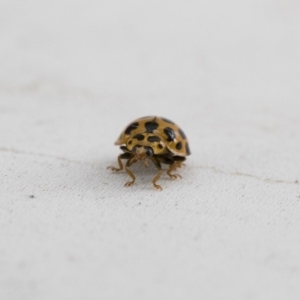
[[177, 163], [174, 162], [172, 168]]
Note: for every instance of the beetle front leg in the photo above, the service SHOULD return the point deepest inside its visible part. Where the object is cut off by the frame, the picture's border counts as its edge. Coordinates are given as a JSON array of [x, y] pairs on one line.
[[158, 166], [128, 164], [120, 157]]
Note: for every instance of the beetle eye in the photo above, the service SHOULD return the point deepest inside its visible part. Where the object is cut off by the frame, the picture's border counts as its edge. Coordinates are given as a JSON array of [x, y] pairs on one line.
[[149, 151]]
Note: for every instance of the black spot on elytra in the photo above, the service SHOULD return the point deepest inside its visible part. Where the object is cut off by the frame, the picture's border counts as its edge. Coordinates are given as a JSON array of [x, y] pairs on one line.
[[139, 137], [150, 126], [160, 146], [178, 146], [131, 127], [170, 134], [182, 133], [153, 138], [167, 120], [187, 149]]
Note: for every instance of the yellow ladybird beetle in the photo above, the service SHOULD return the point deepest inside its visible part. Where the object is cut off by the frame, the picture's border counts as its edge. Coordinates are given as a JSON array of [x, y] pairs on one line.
[[152, 138]]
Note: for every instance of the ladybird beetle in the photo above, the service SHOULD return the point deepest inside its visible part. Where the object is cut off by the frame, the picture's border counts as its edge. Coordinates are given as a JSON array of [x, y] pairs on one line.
[[152, 138]]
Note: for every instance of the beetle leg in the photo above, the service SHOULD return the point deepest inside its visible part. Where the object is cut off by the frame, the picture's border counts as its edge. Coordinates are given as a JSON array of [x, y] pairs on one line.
[[158, 187], [158, 166], [179, 162], [172, 168], [121, 156], [128, 164]]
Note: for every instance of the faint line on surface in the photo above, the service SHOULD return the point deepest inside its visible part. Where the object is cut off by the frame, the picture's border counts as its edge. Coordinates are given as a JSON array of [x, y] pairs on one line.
[[214, 169], [42, 155], [237, 173]]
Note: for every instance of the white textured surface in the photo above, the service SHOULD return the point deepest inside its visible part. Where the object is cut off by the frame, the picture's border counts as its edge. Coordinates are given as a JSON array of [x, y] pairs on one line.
[[73, 74]]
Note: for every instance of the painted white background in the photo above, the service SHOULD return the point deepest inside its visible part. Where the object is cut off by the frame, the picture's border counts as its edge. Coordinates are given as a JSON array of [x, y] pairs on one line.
[[73, 74]]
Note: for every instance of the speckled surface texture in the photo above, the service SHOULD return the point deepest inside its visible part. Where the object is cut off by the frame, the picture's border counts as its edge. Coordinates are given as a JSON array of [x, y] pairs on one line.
[[73, 74]]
